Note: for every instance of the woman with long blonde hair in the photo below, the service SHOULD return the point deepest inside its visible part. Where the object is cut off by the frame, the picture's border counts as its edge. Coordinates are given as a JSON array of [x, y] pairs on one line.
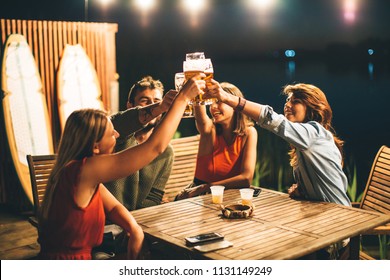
[[76, 202]]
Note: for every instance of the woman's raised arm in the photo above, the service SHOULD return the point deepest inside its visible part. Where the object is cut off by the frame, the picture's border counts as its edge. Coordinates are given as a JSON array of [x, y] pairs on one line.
[[109, 167]]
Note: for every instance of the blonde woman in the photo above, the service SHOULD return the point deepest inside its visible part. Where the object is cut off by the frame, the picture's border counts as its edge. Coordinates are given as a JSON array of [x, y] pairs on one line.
[[227, 147], [76, 202]]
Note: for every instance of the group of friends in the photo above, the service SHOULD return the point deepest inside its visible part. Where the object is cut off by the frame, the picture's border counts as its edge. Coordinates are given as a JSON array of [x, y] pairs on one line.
[[108, 166]]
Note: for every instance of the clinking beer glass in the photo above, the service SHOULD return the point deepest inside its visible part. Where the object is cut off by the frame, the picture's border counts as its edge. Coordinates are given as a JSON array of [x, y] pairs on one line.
[[194, 64], [179, 81], [209, 72]]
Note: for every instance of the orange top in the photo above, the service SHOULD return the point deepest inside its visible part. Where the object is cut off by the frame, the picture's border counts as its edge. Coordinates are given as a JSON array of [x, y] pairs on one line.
[[71, 231], [224, 162]]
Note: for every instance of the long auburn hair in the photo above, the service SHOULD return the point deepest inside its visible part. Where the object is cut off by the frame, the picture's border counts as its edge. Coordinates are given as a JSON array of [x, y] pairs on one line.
[[241, 121], [317, 109], [83, 129]]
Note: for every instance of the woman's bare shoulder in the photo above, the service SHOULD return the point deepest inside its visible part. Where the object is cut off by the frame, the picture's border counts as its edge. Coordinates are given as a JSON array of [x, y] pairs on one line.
[[251, 130]]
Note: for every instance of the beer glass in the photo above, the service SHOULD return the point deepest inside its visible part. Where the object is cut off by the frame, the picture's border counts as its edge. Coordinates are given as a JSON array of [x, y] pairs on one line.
[[194, 64], [179, 81], [195, 56], [209, 72]]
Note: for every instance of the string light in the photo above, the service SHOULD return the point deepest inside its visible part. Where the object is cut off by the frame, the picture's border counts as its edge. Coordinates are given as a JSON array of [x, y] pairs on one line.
[[262, 4], [350, 10], [194, 8], [145, 5]]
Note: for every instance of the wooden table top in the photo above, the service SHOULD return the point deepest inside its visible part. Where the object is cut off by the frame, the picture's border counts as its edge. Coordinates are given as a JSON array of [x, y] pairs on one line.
[[280, 227]]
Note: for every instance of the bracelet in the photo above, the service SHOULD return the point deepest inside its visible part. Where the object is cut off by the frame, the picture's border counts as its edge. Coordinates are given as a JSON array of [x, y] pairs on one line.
[[241, 104]]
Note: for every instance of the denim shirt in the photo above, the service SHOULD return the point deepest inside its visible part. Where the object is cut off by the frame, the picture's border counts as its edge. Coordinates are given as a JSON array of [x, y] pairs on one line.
[[318, 173]]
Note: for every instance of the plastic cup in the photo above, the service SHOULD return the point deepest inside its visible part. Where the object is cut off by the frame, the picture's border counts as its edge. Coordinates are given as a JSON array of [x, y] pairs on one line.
[[217, 194], [246, 196]]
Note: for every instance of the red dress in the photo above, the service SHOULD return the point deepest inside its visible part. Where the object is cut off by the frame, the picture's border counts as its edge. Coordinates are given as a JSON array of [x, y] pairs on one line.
[[71, 231], [223, 163]]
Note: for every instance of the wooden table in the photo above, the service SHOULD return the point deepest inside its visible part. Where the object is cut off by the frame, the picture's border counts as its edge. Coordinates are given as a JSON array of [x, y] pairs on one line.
[[280, 227]]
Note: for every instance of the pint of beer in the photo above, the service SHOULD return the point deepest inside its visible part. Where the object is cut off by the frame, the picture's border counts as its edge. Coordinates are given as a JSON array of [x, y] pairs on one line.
[[192, 67], [179, 81], [208, 69], [209, 72]]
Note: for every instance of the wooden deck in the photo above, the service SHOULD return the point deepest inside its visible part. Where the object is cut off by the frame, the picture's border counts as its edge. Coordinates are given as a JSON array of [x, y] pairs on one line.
[[18, 238]]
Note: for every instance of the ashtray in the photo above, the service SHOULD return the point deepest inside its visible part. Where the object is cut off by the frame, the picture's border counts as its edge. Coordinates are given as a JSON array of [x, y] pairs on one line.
[[236, 211]]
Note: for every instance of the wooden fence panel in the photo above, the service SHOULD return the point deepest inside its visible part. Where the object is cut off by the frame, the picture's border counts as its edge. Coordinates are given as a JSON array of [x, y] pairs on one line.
[[47, 40]]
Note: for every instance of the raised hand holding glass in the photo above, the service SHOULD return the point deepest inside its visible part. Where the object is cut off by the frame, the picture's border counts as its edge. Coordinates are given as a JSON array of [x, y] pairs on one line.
[[179, 81]]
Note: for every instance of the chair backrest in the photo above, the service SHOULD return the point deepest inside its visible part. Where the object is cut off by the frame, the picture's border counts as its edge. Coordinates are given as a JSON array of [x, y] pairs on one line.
[[40, 167], [183, 169], [376, 196]]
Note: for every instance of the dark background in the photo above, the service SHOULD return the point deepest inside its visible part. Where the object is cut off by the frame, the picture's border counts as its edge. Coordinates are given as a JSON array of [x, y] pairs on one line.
[[247, 46], [226, 30]]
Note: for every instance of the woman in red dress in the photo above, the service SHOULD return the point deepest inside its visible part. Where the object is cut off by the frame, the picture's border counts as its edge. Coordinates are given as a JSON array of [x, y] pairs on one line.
[[71, 221]]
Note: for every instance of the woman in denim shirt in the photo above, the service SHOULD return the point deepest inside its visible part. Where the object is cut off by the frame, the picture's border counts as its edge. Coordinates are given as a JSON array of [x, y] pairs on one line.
[[316, 152]]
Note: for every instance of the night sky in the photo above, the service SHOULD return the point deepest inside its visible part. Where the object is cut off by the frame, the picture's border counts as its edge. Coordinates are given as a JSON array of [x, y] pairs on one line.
[[227, 24], [156, 43]]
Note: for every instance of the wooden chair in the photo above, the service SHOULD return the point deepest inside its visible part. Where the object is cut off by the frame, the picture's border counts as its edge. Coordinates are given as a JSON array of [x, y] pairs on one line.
[[40, 167], [184, 163], [376, 196]]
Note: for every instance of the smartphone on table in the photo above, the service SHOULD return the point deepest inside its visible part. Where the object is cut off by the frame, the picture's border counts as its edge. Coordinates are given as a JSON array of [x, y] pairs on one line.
[[203, 238], [257, 191]]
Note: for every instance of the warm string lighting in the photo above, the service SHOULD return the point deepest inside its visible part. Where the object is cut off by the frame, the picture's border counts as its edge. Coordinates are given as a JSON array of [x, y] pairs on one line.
[[105, 2], [261, 4], [350, 8], [145, 7], [194, 5], [194, 8], [191, 7], [260, 12]]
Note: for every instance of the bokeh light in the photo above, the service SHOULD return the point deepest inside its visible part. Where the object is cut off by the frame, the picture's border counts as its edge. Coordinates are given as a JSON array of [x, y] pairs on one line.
[[261, 4], [194, 6], [145, 7], [289, 53], [105, 2], [261, 12], [350, 9], [194, 9]]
